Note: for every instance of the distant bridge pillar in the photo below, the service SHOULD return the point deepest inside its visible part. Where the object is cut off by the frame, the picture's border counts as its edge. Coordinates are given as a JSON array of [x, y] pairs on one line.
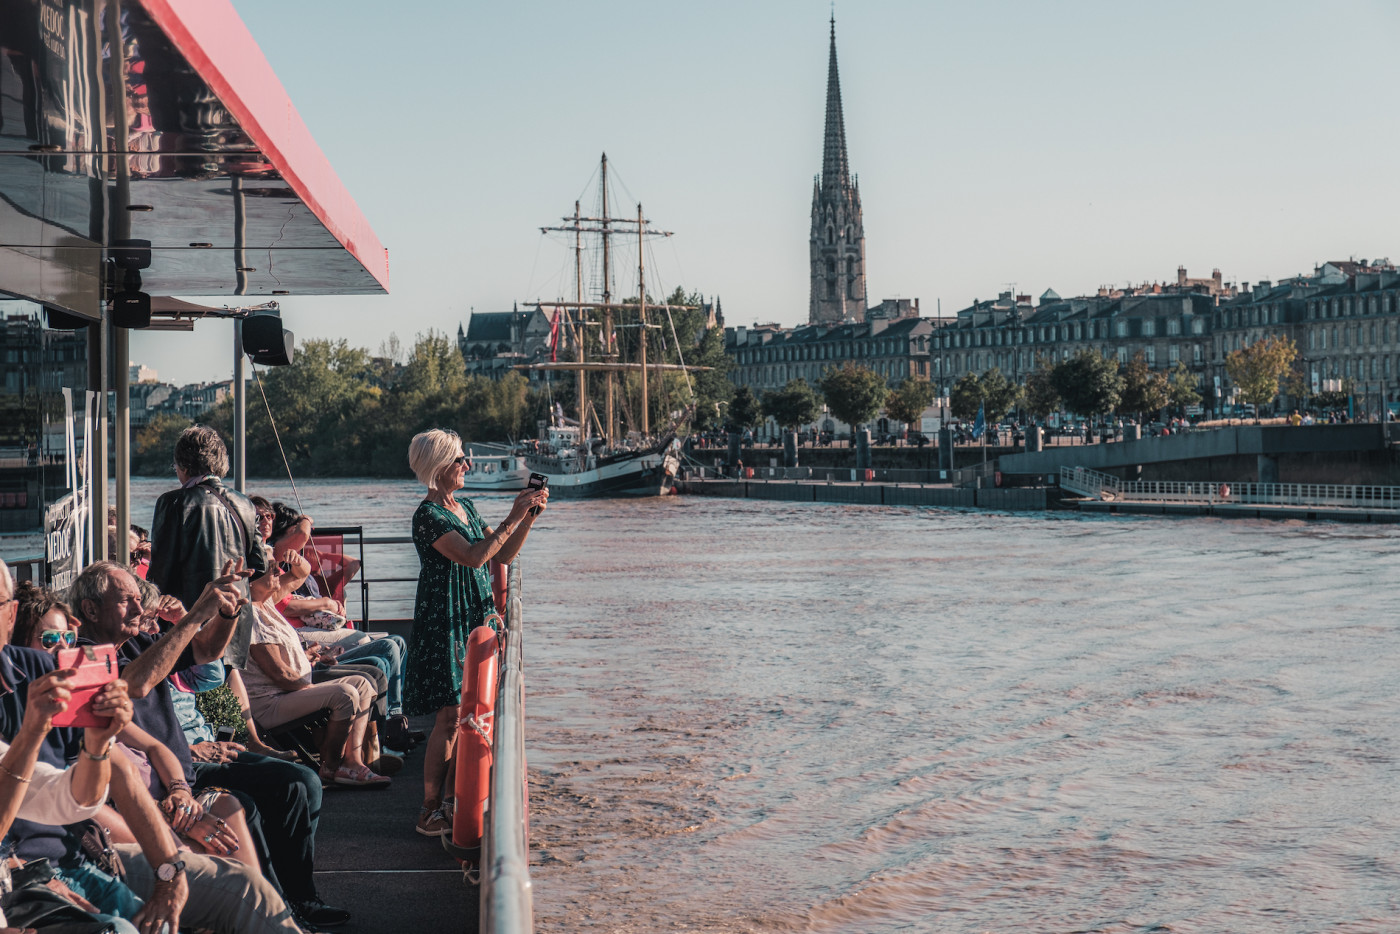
[[789, 449], [945, 449], [1034, 439], [734, 455], [1268, 468]]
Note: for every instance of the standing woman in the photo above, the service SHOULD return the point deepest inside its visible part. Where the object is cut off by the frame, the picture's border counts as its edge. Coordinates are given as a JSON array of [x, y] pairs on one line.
[[454, 597]]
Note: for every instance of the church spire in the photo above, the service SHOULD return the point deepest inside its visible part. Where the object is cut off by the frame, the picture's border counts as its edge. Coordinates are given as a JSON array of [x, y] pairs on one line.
[[838, 234], [835, 171]]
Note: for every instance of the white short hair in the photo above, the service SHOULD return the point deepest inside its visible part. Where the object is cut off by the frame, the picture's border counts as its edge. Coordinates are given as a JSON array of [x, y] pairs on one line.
[[430, 451], [8, 581]]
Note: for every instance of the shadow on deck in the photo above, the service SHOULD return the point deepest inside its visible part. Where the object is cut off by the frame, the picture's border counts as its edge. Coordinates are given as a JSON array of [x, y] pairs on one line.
[[370, 861]]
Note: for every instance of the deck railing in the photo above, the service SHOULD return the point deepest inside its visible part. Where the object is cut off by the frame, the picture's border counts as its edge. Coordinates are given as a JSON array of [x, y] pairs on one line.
[[506, 897], [1322, 495]]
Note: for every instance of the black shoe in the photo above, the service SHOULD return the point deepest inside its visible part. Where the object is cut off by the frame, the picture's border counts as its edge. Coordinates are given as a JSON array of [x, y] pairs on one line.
[[316, 913]]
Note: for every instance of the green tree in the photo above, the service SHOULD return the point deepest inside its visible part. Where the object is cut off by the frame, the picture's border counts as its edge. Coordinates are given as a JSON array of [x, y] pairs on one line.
[[966, 397], [1257, 368], [1145, 391], [854, 393], [153, 448], [1041, 397], [908, 402], [745, 411], [1088, 383], [999, 394], [794, 405], [1184, 389]]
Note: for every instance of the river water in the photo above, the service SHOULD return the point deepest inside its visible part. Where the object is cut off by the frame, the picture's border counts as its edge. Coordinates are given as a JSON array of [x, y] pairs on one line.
[[772, 717]]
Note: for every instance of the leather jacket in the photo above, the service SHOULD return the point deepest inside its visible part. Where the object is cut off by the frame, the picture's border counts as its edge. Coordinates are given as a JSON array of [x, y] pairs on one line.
[[195, 531]]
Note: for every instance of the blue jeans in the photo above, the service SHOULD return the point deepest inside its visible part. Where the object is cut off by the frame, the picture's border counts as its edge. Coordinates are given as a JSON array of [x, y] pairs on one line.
[[391, 650], [106, 892]]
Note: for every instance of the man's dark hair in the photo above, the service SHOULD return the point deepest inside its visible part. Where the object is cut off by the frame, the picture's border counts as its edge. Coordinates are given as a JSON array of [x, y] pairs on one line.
[[200, 451]]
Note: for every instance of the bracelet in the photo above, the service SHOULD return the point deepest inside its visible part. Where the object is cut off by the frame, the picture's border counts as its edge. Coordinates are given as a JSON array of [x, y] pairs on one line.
[[106, 753], [19, 778], [223, 615]]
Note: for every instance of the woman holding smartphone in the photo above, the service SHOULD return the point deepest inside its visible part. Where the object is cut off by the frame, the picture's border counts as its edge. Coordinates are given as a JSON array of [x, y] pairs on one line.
[[454, 597]]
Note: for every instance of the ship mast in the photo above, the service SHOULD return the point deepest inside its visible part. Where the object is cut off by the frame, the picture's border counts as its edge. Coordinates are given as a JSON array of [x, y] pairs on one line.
[[579, 331], [609, 347], [642, 321]]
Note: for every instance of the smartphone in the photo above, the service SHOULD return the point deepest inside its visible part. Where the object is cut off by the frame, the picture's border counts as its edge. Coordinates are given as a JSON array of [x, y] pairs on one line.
[[95, 667], [224, 734], [538, 481]]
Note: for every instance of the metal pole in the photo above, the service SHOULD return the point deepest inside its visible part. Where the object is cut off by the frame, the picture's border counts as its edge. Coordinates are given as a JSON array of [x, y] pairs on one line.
[[240, 410], [96, 441], [121, 339]]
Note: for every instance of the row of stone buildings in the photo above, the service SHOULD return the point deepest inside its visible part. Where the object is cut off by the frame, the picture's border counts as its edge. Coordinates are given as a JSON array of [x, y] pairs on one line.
[[1344, 319]]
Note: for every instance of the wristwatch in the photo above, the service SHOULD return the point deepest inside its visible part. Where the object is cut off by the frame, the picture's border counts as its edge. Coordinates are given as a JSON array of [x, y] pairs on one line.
[[167, 871]]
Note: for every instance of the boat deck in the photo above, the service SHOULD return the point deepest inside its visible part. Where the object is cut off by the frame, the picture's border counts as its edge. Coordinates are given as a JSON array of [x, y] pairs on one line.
[[370, 861]]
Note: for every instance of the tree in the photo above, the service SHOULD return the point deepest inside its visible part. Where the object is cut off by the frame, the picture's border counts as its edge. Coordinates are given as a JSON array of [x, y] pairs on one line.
[[1144, 391], [1257, 368], [1041, 397], [744, 410], [907, 403], [999, 395], [854, 393], [1089, 383], [966, 398], [992, 393], [794, 405], [1183, 389], [153, 448]]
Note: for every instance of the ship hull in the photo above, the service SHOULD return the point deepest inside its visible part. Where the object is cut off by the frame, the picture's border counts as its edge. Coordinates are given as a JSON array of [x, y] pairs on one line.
[[648, 474]]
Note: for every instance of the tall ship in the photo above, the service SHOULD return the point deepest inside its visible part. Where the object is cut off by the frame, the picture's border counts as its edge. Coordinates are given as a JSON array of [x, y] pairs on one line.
[[608, 445]]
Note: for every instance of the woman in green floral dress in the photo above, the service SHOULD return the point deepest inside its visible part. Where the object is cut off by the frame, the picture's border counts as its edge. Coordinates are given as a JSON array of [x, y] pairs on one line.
[[454, 597]]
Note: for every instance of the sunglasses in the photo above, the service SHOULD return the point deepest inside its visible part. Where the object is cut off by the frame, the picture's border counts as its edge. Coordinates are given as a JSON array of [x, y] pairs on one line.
[[52, 637], [463, 460]]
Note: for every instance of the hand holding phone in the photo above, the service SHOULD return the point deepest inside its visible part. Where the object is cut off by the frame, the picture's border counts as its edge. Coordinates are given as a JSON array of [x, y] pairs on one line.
[[93, 667], [538, 481]]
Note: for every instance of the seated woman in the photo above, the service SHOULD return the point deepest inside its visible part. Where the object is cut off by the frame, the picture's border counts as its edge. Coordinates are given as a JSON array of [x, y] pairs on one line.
[[42, 620], [289, 535], [281, 689]]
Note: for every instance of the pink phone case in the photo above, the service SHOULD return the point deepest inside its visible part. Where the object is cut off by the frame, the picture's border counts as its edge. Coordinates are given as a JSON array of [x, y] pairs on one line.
[[96, 666]]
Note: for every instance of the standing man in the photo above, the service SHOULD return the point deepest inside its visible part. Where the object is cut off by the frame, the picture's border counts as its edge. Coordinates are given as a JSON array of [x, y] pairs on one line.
[[201, 526]]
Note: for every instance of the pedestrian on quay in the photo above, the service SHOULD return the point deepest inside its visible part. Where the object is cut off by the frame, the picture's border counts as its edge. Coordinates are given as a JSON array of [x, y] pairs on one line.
[[454, 597]]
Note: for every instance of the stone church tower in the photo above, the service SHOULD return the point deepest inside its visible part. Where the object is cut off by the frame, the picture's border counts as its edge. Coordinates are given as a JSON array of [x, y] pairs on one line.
[[838, 235]]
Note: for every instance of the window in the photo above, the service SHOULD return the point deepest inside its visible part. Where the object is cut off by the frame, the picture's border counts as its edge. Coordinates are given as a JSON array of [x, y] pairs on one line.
[[1173, 327], [1151, 354], [1149, 327], [1198, 326], [1174, 355], [1121, 328], [1196, 353], [1122, 354]]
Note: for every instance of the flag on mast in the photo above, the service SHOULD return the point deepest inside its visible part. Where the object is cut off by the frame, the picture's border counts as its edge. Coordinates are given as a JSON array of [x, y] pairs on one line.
[[980, 426], [554, 337]]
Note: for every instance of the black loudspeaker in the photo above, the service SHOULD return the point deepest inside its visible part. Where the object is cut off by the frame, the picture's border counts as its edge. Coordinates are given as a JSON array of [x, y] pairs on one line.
[[131, 254], [63, 321], [266, 341], [131, 309]]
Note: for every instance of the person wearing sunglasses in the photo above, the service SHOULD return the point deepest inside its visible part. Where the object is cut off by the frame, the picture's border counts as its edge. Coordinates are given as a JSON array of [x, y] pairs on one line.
[[43, 621]]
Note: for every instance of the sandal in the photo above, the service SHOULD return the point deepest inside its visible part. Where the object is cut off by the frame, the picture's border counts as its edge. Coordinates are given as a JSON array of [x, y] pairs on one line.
[[360, 777]]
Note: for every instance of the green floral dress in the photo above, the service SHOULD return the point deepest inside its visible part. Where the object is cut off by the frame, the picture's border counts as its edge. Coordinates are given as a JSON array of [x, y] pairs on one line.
[[453, 599]]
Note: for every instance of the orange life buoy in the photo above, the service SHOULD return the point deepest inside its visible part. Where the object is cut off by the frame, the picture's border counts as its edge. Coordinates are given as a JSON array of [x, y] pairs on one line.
[[1224, 491], [475, 727], [499, 583]]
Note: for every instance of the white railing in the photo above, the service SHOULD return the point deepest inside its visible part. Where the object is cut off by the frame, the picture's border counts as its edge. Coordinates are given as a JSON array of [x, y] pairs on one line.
[[1325, 495]]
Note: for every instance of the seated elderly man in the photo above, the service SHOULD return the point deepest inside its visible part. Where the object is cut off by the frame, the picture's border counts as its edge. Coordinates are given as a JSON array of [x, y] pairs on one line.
[[281, 689], [227, 897], [281, 800]]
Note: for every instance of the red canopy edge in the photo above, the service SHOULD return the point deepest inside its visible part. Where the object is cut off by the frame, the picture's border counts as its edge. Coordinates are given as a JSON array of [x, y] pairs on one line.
[[216, 43]]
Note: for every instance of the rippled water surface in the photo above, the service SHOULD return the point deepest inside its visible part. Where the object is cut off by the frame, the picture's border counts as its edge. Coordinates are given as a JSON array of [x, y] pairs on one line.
[[765, 717]]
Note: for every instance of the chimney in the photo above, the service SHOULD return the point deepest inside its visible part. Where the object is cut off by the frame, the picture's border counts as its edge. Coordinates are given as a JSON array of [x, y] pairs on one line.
[[1181, 275]]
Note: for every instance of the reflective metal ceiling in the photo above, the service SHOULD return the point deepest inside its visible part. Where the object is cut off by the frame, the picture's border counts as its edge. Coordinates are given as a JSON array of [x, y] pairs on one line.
[[209, 161]]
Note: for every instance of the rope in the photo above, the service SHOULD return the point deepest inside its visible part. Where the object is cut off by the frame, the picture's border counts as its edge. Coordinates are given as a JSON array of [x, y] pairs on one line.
[[478, 726]]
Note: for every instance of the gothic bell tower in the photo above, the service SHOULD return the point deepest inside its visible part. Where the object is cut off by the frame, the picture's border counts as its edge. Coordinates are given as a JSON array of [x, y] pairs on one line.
[[838, 234]]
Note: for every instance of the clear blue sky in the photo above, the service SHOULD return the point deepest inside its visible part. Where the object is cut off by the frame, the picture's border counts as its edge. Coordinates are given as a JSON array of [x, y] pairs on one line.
[[1063, 145]]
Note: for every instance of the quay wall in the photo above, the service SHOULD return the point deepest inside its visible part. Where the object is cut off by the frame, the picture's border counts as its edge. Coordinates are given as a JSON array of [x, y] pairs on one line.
[[873, 494]]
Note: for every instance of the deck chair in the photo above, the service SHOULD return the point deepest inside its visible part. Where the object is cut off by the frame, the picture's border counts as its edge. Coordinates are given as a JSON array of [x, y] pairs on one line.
[[327, 552], [298, 736]]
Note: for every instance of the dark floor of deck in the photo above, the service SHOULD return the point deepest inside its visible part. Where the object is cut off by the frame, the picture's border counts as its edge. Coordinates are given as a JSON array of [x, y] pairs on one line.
[[370, 861]]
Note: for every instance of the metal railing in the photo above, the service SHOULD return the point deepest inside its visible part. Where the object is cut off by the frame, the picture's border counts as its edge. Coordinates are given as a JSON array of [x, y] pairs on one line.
[[827, 474], [969, 476], [507, 905], [1323, 495]]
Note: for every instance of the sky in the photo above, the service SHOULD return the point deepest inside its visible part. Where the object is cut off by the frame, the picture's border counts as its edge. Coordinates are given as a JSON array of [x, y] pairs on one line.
[[1058, 145]]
